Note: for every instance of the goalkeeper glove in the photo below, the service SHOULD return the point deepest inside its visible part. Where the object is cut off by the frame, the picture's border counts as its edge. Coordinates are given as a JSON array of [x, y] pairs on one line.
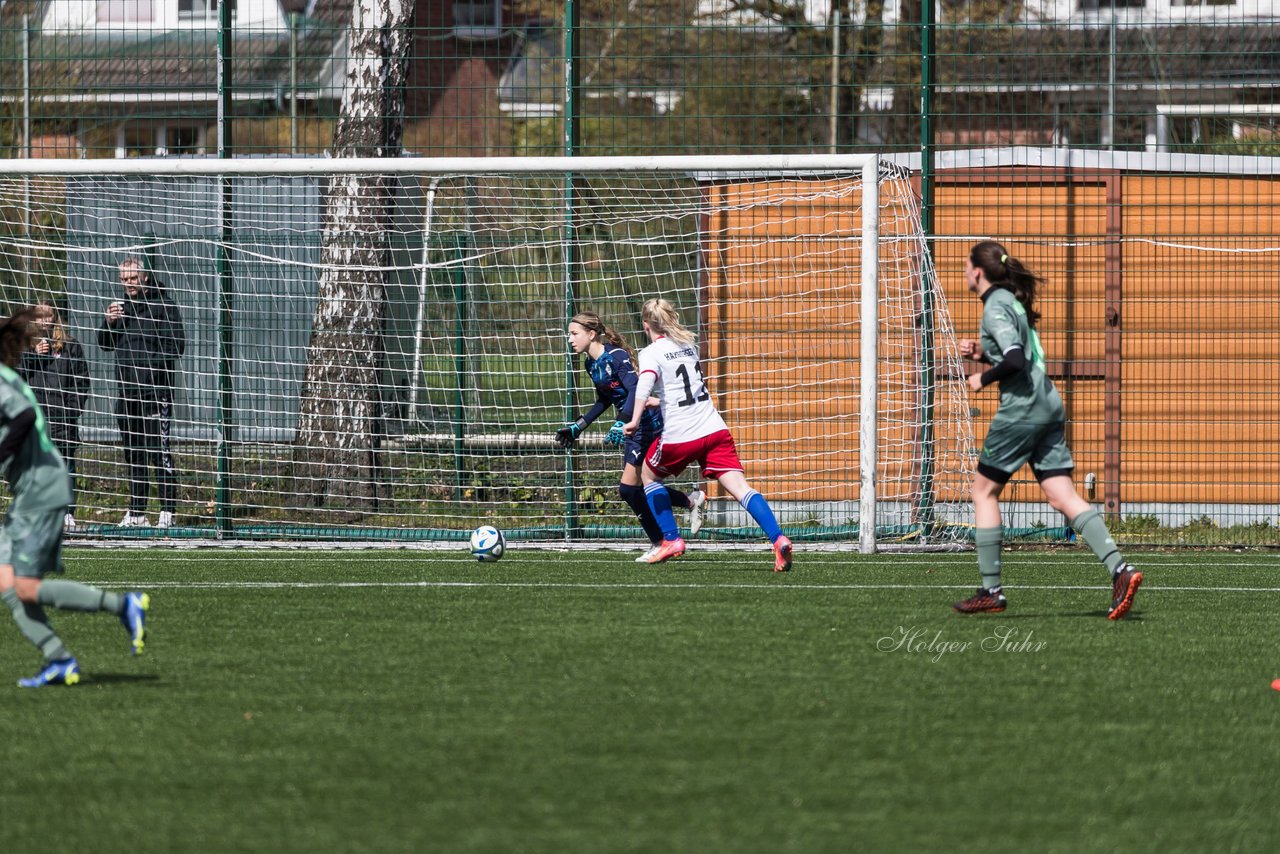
[[569, 433], [615, 436]]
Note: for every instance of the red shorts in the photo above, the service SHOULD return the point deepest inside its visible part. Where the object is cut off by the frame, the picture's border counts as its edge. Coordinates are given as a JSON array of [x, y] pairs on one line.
[[715, 454]]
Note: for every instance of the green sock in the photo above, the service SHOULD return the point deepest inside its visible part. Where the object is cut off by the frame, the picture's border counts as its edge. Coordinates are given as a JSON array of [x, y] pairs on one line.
[[74, 596], [988, 541], [1089, 525], [35, 627]]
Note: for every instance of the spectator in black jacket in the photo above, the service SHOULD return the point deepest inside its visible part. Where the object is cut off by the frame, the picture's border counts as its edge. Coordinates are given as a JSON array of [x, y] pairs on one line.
[[145, 331], [59, 376]]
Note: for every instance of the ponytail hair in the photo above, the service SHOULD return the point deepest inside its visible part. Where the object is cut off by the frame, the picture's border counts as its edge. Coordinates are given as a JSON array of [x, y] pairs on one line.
[[591, 322], [662, 318], [1004, 271], [16, 333]]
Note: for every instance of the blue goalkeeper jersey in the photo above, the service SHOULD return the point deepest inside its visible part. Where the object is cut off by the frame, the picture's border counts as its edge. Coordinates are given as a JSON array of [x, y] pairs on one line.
[[614, 377]]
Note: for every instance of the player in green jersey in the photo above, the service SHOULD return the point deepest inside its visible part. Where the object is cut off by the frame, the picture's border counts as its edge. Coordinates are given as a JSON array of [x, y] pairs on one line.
[[1029, 426], [31, 539]]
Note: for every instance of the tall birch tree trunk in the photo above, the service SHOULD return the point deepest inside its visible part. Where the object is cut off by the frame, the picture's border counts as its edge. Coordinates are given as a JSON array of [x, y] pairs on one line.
[[340, 408]]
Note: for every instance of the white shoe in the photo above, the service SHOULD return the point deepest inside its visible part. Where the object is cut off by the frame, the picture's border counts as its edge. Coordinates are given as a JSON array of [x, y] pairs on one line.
[[697, 499], [165, 520], [134, 520], [644, 558], [68, 522]]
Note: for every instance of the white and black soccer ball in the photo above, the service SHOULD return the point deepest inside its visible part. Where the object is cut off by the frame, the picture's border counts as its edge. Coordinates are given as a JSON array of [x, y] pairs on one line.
[[487, 543]]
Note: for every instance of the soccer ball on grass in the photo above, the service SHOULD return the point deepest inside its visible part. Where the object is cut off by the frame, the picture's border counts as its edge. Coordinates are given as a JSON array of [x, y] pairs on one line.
[[487, 543]]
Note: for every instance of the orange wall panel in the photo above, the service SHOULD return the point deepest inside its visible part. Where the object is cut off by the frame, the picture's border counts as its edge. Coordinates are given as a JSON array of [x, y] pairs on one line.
[[1200, 331]]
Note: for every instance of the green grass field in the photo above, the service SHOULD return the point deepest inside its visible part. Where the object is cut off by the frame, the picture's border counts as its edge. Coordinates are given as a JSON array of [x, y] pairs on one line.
[[575, 702]]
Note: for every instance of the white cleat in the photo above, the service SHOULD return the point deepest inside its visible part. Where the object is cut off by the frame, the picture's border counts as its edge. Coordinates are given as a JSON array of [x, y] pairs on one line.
[[644, 558], [68, 522], [134, 520], [697, 500], [165, 520]]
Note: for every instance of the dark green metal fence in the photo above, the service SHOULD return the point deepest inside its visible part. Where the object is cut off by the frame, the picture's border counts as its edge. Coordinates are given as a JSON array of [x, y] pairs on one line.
[[1129, 148]]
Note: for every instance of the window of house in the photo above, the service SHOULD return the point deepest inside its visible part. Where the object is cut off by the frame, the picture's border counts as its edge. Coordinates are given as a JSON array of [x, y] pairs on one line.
[[126, 11], [158, 140], [181, 140], [1113, 4], [477, 19], [1204, 2], [136, 141], [199, 9]]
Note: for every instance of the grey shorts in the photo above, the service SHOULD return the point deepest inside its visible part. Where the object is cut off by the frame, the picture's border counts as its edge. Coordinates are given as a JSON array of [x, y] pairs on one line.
[[32, 542], [1012, 444]]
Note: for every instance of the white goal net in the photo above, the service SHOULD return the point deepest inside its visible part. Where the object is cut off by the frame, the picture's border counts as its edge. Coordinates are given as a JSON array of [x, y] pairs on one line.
[[376, 350]]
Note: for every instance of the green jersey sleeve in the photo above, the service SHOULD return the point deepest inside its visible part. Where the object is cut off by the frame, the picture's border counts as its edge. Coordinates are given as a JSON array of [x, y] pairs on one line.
[[12, 402], [1001, 322]]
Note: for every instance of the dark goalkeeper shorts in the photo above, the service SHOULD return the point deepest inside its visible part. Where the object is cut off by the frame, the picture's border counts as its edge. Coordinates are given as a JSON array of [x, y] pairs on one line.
[[1012, 444], [636, 444], [32, 542]]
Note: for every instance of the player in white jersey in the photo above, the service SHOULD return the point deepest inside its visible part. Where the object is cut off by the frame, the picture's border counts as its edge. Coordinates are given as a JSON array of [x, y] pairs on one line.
[[693, 432]]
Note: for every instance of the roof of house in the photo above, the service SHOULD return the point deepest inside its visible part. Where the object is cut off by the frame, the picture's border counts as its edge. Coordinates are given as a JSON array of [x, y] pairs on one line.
[[142, 66], [646, 59]]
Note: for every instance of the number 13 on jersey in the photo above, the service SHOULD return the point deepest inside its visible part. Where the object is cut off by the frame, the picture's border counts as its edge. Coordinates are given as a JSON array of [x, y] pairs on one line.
[[695, 388]]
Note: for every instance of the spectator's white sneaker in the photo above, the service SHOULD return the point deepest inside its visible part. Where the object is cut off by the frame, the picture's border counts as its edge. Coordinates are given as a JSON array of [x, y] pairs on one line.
[[697, 499], [68, 522], [644, 558], [134, 520], [165, 520]]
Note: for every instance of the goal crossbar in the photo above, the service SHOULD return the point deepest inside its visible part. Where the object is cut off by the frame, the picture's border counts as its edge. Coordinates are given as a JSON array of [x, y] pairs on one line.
[[759, 163]]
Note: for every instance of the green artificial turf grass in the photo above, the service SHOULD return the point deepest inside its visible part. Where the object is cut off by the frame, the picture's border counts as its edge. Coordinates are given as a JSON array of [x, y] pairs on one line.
[[419, 701]]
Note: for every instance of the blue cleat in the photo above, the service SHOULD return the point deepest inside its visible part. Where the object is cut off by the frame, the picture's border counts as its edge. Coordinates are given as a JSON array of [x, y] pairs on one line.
[[65, 672], [134, 619]]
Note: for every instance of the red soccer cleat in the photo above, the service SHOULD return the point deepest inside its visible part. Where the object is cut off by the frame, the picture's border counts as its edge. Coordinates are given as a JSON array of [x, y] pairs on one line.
[[1123, 589], [668, 550], [983, 602], [782, 555]]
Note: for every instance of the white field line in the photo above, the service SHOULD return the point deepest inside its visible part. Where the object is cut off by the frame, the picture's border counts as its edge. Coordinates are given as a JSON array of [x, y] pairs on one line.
[[643, 585], [822, 559]]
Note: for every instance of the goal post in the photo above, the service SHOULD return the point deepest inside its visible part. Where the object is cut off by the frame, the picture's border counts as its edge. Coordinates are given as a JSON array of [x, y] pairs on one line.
[[375, 349], [869, 358]]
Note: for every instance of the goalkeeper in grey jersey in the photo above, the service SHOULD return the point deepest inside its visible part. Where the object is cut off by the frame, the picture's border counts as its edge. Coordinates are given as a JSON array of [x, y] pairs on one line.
[[1029, 426], [31, 539]]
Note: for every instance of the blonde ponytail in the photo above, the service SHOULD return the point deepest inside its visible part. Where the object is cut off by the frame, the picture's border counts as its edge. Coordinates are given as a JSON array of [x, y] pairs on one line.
[[663, 319]]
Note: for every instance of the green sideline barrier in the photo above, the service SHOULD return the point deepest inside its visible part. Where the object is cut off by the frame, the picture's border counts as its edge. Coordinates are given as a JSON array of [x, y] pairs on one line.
[[843, 533]]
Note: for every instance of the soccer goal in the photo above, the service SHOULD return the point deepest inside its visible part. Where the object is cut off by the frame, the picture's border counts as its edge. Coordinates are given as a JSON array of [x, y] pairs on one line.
[[375, 350]]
